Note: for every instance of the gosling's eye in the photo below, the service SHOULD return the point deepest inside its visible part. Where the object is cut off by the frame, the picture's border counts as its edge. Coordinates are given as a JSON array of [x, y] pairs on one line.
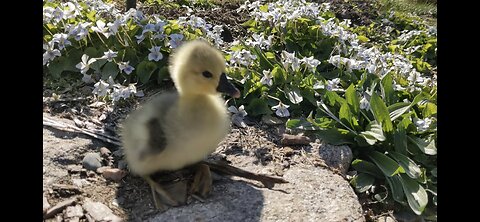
[[207, 74]]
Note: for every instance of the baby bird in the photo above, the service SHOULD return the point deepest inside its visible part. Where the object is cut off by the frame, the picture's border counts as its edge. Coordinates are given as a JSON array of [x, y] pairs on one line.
[[178, 129]]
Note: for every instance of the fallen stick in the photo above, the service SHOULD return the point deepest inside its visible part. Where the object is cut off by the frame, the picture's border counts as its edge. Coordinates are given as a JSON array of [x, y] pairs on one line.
[[59, 207], [288, 139], [223, 168], [71, 128]]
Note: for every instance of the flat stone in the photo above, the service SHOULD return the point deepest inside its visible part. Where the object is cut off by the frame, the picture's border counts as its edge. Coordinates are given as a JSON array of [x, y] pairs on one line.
[[74, 211], [312, 194], [92, 161], [114, 174], [99, 211]]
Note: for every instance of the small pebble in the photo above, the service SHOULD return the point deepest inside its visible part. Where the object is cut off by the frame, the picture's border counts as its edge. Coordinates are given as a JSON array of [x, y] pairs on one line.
[[92, 161], [105, 152], [114, 174]]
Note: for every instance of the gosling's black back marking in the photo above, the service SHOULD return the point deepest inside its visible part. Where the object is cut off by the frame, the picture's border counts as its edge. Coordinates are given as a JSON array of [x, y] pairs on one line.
[[157, 140]]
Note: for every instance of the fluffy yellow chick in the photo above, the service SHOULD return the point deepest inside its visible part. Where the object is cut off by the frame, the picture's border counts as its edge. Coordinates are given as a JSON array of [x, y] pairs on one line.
[[178, 129]]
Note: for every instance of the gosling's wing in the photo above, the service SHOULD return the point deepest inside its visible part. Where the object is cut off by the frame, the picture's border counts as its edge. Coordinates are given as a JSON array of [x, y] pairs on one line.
[[155, 125], [157, 140]]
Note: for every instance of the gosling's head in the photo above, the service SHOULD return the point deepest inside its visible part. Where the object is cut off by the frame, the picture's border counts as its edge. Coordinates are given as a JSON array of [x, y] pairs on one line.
[[198, 68]]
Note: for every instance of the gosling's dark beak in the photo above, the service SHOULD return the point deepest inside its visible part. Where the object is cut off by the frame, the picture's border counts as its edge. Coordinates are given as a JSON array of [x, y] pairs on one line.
[[224, 86]]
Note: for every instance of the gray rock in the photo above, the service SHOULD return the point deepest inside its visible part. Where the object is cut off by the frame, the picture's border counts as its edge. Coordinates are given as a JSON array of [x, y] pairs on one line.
[[74, 211], [337, 157], [99, 212], [92, 161], [312, 194]]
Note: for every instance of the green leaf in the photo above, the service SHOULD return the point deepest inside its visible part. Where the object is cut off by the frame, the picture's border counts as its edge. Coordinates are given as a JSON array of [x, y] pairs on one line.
[[352, 99], [145, 70], [91, 15], [336, 136], [410, 167], [293, 95], [420, 97], [429, 110], [363, 38], [258, 107], [367, 167], [57, 66], [300, 124], [387, 87], [427, 146], [97, 65], [416, 195], [264, 63], [110, 69], [264, 8], [279, 75], [400, 139], [396, 188], [363, 182], [398, 109], [345, 115], [332, 98], [270, 55], [386, 164], [373, 133], [91, 52], [162, 74], [380, 112]]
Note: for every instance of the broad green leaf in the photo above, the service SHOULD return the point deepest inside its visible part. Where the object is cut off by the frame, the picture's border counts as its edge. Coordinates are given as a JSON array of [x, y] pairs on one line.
[[420, 97], [374, 130], [398, 109], [416, 195], [386, 164], [91, 15], [410, 167], [279, 75], [264, 8], [396, 188], [258, 107], [363, 182], [387, 87], [97, 65], [425, 145], [57, 66], [400, 139], [91, 52], [293, 95], [110, 69], [332, 98], [162, 74], [264, 63], [336, 136], [345, 115], [352, 99], [270, 55], [300, 124], [380, 112], [145, 70], [429, 110], [363, 38], [367, 167]]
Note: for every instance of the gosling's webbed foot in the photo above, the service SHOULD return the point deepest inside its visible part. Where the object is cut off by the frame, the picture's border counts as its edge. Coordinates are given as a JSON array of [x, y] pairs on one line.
[[202, 182], [160, 197]]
